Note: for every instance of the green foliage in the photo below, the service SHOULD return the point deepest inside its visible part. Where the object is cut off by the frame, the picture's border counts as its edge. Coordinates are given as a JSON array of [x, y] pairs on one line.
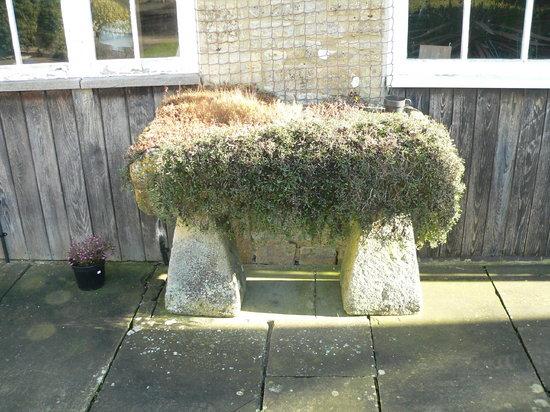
[[318, 170], [6, 48], [40, 26], [110, 13], [50, 35]]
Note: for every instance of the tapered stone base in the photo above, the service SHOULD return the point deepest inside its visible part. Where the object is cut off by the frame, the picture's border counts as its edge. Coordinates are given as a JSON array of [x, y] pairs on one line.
[[205, 277], [381, 277]]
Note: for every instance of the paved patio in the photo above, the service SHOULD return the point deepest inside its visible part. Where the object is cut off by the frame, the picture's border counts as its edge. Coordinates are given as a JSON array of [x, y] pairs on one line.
[[481, 343]]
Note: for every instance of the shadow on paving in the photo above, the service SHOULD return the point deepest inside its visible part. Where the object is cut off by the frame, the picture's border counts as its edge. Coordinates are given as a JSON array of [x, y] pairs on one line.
[[57, 341], [528, 305], [292, 347], [460, 353]]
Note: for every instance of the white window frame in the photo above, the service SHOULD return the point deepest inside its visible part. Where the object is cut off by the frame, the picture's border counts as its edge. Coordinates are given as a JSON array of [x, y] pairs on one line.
[[82, 62], [464, 72]]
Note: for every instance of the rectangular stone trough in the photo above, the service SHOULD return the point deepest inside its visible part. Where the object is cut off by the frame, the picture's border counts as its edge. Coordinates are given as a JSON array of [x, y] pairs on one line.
[[379, 274]]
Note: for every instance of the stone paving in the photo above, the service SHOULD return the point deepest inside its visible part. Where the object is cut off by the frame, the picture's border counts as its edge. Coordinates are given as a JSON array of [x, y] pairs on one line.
[[482, 342]]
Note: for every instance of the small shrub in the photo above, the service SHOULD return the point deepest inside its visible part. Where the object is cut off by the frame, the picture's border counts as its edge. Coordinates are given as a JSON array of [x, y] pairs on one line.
[[90, 251], [281, 167]]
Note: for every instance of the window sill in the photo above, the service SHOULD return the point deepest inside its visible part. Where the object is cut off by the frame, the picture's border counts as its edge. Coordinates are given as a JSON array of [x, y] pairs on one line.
[[496, 74], [100, 82]]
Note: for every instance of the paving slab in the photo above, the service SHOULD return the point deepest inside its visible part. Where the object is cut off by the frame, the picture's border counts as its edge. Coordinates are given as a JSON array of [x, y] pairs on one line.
[[329, 347], [460, 353], [525, 291], [328, 296], [9, 274], [320, 394], [51, 367], [49, 292], [58, 341], [276, 291], [193, 369]]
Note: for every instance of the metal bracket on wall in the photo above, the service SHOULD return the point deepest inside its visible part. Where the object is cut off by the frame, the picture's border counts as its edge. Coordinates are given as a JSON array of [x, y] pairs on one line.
[[4, 245]]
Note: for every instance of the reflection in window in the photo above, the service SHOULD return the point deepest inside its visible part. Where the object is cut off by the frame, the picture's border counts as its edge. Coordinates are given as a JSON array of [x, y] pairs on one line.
[[112, 29], [40, 30], [496, 28], [158, 28], [6, 47], [540, 32], [435, 28]]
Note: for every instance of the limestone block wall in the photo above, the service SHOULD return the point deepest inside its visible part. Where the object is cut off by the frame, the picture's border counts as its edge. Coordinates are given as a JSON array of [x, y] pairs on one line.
[[305, 50]]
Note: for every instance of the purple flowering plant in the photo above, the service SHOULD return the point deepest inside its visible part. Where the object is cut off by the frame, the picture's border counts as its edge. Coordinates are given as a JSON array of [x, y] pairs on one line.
[[89, 251]]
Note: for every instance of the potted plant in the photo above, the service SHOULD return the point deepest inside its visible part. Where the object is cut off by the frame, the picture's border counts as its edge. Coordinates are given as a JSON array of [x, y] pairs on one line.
[[87, 258]]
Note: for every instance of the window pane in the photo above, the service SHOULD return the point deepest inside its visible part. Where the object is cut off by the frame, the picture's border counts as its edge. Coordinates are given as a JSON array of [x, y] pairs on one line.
[[40, 29], [158, 28], [435, 28], [112, 29], [6, 47], [540, 33], [496, 28]]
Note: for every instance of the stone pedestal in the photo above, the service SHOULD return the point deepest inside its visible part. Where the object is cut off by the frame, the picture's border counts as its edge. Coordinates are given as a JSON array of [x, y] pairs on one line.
[[381, 277], [205, 277]]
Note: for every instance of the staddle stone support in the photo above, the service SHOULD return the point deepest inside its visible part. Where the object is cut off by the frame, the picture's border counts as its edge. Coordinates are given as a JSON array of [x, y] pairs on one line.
[[205, 276], [379, 276]]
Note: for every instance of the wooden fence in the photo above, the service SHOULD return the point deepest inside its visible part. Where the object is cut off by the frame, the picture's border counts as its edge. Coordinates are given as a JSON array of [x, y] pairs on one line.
[[504, 138], [61, 153]]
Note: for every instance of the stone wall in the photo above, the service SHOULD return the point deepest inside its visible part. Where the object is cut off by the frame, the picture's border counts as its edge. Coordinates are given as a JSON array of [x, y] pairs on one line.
[[306, 50]]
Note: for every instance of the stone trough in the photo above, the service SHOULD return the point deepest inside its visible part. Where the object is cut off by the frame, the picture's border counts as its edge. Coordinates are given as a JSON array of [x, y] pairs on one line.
[[379, 274]]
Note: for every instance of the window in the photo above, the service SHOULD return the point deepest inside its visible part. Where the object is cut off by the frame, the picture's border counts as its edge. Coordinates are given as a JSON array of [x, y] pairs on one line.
[[472, 43], [65, 39]]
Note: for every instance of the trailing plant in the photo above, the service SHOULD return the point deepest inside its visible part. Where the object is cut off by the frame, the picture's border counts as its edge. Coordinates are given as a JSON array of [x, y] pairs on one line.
[[90, 251], [282, 167]]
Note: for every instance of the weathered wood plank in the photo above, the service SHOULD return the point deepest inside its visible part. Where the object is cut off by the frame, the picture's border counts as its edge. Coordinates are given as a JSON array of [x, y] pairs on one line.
[[94, 164], [483, 152], [9, 210], [60, 104], [24, 179], [462, 132], [420, 99], [509, 123], [525, 172], [538, 233], [441, 110], [141, 110], [117, 139], [441, 105], [47, 172]]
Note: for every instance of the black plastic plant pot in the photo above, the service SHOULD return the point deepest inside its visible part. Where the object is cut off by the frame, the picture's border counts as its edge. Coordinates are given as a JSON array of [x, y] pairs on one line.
[[90, 277]]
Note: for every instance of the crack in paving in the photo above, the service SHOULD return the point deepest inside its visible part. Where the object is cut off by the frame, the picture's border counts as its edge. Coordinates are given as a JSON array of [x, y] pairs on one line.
[[270, 325], [516, 330], [130, 326], [375, 377], [161, 289], [14, 282]]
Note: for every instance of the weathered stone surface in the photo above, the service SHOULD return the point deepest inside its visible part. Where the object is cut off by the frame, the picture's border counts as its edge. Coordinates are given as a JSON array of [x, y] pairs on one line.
[[189, 369], [320, 394], [48, 293], [380, 276], [531, 316], [274, 252], [317, 255], [321, 347], [460, 353], [57, 341], [205, 277], [9, 274], [281, 47], [275, 291]]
